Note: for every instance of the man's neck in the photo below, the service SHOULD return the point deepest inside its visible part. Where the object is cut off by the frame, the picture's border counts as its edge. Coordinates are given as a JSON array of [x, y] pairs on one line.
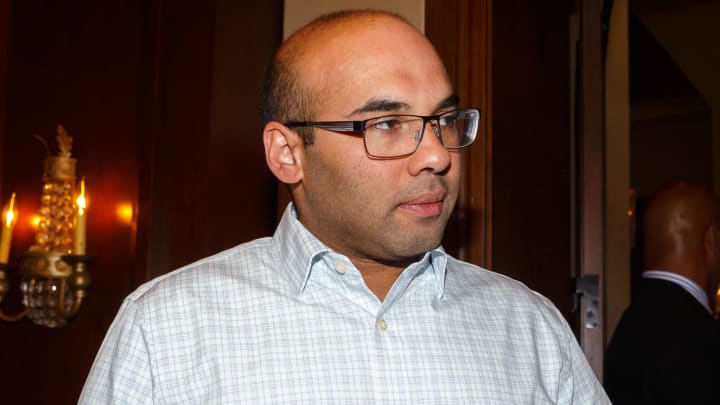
[[379, 281], [379, 276]]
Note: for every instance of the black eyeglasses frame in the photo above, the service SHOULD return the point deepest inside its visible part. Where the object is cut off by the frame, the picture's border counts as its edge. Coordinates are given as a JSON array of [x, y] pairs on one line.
[[357, 128]]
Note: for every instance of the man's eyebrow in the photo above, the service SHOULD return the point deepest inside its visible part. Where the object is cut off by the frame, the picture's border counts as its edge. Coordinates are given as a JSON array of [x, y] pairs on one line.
[[381, 105], [385, 105], [452, 101]]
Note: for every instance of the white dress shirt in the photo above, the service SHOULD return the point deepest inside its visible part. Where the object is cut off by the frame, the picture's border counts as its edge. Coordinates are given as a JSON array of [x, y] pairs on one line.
[[287, 320]]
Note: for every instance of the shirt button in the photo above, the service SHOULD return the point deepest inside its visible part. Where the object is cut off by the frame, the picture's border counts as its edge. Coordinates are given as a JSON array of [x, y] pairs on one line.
[[381, 325], [340, 267]]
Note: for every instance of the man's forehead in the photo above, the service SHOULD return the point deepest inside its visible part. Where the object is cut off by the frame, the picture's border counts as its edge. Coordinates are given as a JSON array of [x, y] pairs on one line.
[[371, 63], [389, 104]]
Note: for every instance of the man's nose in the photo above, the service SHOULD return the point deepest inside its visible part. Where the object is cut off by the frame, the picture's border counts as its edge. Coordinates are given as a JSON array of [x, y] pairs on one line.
[[431, 154]]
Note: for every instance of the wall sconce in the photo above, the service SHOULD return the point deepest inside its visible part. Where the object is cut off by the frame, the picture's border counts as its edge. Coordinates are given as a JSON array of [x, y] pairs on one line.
[[53, 273]]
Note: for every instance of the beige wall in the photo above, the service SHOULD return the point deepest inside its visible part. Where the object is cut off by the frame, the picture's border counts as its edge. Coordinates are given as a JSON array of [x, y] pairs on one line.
[[617, 169]]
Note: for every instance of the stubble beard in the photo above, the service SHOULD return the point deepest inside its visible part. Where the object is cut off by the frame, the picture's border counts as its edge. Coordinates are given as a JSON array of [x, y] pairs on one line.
[[400, 243]]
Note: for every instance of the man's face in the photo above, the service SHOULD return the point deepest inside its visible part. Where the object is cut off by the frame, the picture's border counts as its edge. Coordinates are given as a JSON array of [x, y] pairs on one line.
[[389, 211]]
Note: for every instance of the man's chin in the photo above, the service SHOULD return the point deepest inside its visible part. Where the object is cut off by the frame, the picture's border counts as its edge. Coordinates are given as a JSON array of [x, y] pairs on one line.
[[412, 252]]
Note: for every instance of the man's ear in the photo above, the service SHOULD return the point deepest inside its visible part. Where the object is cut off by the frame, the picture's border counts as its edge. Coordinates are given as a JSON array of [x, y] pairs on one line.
[[283, 152]]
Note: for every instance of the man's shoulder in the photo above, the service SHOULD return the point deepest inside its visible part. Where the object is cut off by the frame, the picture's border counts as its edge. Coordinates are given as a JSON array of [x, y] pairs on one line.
[[490, 286], [676, 303], [209, 273], [477, 276]]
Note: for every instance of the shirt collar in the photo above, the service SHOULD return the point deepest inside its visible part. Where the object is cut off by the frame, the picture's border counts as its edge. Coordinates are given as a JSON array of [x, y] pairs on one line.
[[685, 283], [299, 250], [437, 259]]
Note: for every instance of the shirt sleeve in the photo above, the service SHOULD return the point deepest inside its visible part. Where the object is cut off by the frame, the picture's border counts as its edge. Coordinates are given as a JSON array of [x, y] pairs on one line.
[[580, 385], [121, 372]]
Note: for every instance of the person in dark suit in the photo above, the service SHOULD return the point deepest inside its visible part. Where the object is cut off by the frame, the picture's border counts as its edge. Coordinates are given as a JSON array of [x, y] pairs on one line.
[[666, 347]]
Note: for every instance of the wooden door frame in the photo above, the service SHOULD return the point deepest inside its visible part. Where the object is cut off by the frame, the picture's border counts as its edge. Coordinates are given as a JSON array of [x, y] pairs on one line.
[[461, 31], [590, 191]]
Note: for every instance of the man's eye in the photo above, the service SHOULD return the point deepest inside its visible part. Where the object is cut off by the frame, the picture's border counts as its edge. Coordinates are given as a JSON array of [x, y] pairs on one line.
[[387, 124], [448, 120]]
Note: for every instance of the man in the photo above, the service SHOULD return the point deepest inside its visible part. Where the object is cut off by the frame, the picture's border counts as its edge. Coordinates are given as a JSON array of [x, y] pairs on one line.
[[666, 348], [352, 300]]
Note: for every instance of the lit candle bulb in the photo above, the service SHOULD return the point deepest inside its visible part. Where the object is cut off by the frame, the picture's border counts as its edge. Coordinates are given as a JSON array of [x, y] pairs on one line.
[[9, 217], [80, 221]]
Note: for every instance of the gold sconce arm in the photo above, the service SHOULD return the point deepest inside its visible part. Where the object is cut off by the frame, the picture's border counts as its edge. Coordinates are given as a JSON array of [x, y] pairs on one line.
[[78, 282], [8, 318], [4, 289]]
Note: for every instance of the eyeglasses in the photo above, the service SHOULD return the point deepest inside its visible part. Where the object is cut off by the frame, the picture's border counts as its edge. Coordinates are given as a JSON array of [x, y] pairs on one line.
[[395, 136]]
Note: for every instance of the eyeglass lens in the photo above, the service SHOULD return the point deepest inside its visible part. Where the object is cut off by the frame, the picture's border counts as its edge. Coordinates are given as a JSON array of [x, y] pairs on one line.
[[400, 135]]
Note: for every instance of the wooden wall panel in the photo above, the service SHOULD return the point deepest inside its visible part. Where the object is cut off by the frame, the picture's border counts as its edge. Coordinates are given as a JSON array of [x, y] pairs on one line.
[[209, 186], [531, 146], [136, 84], [179, 145], [511, 59], [461, 31], [5, 16]]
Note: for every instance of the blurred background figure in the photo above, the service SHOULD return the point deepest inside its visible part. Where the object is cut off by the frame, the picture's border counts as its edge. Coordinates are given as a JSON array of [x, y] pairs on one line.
[[666, 347]]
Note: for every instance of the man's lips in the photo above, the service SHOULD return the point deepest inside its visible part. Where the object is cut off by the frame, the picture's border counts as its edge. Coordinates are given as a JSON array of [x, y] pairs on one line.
[[426, 205]]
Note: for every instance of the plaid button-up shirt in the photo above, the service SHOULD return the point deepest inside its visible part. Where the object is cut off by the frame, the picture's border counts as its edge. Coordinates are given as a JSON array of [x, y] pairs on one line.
[[287, 320]]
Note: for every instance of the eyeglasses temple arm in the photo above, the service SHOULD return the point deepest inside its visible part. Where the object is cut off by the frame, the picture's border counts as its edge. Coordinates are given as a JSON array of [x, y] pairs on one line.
[[341, 126]]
